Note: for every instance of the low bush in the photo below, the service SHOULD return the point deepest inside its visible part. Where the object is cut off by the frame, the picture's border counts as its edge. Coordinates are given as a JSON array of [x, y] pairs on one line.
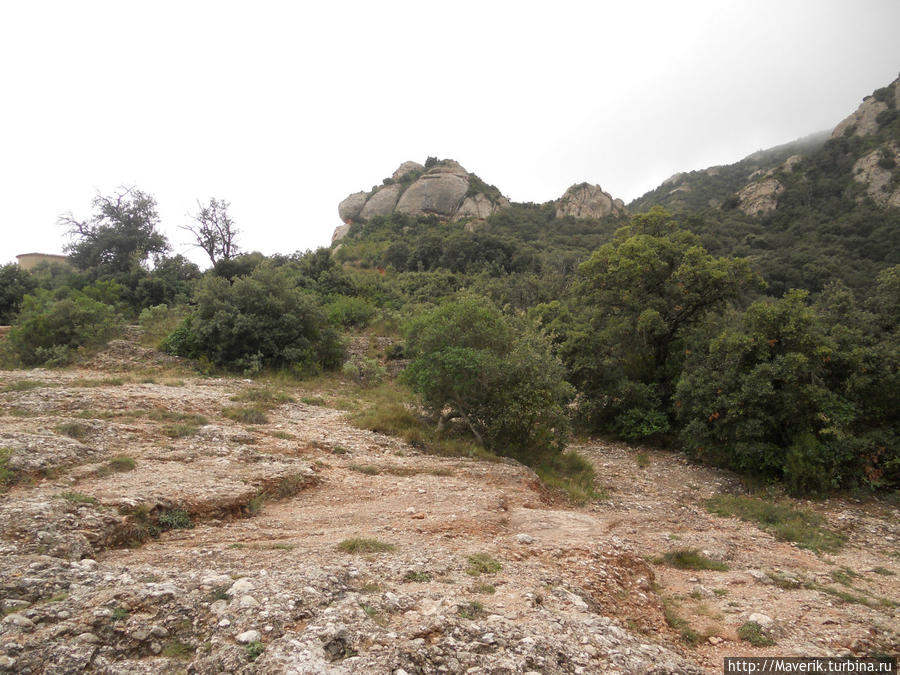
[[51, 326], [262, 320]]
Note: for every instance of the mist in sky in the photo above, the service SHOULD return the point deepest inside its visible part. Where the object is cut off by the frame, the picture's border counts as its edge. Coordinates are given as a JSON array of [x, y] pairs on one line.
[[283, 110]]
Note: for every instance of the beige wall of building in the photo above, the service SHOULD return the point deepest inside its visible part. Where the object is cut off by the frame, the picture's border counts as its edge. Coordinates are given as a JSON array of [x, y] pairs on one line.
[[28, 261]]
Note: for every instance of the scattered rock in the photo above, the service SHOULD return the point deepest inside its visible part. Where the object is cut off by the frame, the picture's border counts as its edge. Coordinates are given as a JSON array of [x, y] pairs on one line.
[[248, 636]]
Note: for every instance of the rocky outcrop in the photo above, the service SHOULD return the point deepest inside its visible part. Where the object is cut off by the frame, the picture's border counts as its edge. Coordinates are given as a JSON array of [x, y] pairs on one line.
[[760, 198], [876, 170], [382, 203], [864, 120], [445, 190], [588, 201], [439, 190], [352, 206]]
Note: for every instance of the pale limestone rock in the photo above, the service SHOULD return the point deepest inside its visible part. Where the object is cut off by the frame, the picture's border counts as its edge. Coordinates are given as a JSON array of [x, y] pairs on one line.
[[863, 120], [382, 202], [248, 636], [478, 206], [587, 201], [406, 168], [791, 162], [350, 208], [339, 233], [760, 197], [440, 191], [876, 178]]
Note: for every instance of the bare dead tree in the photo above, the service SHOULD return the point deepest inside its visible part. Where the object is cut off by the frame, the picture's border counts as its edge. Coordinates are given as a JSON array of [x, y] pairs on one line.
[[214, 230]]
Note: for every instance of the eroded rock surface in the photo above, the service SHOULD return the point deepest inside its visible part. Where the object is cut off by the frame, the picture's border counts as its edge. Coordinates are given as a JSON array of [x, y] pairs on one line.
[[588, 201], [218, 550], [761, 197]]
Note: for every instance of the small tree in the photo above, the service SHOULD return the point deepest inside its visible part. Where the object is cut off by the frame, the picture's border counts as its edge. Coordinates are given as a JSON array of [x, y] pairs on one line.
[[119, 237], [494, 374], [636, 303], [214, 230]]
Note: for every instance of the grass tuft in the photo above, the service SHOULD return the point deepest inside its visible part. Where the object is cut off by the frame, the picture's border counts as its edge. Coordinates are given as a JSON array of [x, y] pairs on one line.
[[570, 473], [690, 559], [74, 430], [482, 563], [363, 545], [786, 523], [752, 632], [246, 414], [79, 498]]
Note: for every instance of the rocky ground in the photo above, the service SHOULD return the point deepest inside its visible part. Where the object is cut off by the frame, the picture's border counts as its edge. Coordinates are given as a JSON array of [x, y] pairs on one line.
[[147, 532]]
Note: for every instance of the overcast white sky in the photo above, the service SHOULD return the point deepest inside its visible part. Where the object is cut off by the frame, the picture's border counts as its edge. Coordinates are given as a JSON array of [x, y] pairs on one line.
[[284, 108]]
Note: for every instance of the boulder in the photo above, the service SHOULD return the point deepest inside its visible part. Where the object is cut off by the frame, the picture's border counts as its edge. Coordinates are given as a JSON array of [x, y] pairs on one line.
[[587, 201], [407, 167], [479, 206], [439, 191], [352, 206], [382, 202]]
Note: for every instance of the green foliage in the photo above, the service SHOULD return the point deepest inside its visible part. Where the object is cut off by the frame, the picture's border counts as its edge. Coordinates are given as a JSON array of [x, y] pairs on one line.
[[482, 563], [254, 649], [752, 632], [7, 475], [495, 374], [175, 519], [786, 523], [119, 236], [635, 305], [50, 326], [349, 312], [264, 320], [793, 393], [570, 473], [15, 284]]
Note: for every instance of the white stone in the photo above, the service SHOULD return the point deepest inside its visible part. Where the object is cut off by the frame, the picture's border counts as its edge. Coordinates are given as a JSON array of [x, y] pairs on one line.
[[248, 636]]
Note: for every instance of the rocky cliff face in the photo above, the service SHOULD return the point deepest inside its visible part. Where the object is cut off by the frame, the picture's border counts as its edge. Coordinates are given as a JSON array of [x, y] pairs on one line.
[[588, 201], [444, 189], [864, 121]]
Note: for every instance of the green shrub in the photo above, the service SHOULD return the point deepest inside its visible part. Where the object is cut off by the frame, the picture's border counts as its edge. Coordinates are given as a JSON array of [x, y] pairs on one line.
[[263, 320], [50, 327], [175, 519], [349, 312]]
